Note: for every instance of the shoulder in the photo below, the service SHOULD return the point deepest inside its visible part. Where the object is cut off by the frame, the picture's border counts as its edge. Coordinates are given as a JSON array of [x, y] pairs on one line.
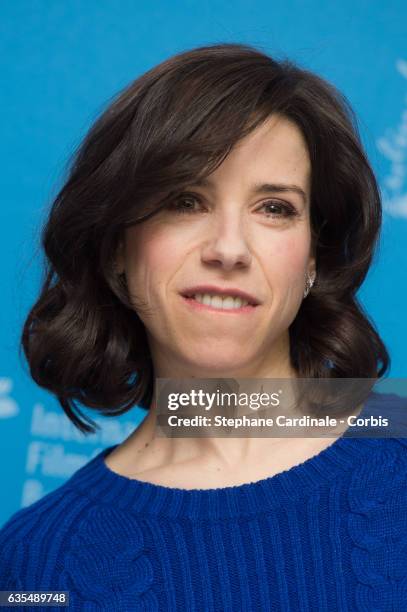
[[387, 454], [380, 479], [55, 516], [399, 445], [67, 541], [376, 522], [39, 534], [392, 449]]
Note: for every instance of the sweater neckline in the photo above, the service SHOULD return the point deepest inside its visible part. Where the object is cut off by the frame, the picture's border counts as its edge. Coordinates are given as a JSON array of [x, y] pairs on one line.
[[99, 482]]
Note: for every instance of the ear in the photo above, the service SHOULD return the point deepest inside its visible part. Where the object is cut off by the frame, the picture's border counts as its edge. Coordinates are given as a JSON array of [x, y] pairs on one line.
[[312, 267]]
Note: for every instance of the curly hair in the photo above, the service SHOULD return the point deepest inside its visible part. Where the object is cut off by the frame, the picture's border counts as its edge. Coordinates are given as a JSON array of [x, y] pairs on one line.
[[174, 124]]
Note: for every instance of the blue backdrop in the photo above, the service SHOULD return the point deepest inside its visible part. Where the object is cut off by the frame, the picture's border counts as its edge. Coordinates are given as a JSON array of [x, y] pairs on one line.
[[62, 61]]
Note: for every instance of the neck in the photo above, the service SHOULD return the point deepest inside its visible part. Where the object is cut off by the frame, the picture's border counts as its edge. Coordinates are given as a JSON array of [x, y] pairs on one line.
[[225, 453]]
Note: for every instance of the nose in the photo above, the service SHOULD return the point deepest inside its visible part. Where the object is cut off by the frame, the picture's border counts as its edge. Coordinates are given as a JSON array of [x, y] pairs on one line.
[[226, 245]]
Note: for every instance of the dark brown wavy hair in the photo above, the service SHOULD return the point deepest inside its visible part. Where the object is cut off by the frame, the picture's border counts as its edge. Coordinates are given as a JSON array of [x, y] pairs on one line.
[[176, 123]]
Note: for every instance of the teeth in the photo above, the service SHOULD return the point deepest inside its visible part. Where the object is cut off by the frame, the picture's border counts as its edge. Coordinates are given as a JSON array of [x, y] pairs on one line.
[[217, 301]]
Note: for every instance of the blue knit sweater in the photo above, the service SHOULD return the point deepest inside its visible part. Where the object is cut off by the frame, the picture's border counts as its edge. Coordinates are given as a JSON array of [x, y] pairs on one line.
[[329, 534]]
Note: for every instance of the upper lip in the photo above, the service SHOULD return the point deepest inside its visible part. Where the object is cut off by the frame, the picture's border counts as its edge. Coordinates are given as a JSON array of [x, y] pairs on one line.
[[212, 289]]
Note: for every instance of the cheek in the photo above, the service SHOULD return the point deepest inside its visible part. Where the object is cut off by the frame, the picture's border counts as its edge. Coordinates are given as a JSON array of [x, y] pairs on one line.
[[287, 260], [151, 255]]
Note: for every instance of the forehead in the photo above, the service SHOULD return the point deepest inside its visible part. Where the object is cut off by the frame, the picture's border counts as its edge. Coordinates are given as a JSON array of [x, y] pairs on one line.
[[274, 151]]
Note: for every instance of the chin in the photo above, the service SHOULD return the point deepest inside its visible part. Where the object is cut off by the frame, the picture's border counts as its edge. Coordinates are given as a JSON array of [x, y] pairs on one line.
[[214, 366]]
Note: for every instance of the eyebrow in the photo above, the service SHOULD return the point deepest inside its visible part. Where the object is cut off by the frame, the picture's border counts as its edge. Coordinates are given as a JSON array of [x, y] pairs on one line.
[[257, 188]]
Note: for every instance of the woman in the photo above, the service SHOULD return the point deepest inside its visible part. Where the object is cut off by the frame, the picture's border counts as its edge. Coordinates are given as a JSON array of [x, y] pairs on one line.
[[220, 173]]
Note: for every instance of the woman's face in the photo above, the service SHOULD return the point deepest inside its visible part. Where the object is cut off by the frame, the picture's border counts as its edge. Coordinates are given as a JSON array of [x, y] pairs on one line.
[[227, 234]]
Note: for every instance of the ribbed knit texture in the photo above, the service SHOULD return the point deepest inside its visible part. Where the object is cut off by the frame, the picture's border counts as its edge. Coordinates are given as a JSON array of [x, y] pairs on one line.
[[329, 534]]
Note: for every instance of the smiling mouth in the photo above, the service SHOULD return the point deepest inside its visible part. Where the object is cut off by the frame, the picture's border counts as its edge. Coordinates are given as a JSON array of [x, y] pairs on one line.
[[218, 304]]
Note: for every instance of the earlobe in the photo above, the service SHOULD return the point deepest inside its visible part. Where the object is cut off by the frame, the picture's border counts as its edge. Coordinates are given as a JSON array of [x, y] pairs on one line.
[[312, 268], [309, 277]]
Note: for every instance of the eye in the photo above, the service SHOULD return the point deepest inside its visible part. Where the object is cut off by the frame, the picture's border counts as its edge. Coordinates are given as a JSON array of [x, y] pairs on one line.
[[187, 203], [283, 209], [178, 203]]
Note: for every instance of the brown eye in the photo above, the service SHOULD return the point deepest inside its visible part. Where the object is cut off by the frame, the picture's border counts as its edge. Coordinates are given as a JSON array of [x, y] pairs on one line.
[[275, 208], [184, 203]]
